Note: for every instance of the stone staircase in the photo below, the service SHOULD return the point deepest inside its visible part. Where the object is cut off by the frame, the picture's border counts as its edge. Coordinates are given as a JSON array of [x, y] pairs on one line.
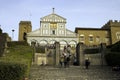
[[73, 73]]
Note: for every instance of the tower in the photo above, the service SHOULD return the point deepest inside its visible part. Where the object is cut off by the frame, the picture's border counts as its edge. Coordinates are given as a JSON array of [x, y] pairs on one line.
[[114, 30], [24, 28]]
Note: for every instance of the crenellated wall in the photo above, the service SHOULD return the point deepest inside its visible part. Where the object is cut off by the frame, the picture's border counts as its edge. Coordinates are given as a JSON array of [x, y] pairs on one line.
[[111, 23]]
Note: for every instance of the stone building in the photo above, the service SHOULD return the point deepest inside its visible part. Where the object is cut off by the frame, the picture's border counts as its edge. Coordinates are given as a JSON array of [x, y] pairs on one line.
[[113, 28], [109, 34], [24, 28], [8, 38], [53, 29]]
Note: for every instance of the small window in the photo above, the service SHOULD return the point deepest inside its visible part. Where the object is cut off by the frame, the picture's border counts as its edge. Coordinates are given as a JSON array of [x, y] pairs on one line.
[[61, 26], [91, 38], [118, 35], [82, 38], [53, 32]]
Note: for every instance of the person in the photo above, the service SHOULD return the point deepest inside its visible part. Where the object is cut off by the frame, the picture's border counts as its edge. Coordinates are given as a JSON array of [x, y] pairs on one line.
[[116, 68], [65, 61], [87, 63], [42, 63], [68, 61], [75, 61], [61, 60]]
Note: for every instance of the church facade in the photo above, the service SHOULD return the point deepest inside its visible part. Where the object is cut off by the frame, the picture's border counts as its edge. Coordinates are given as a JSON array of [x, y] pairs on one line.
[[53, 29]]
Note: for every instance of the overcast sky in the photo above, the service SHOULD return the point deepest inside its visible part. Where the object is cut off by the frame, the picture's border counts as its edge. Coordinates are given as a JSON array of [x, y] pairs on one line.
[[79, 13]]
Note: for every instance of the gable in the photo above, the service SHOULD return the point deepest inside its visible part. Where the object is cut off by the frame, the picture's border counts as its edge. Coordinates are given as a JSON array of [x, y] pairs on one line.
[[53, 18]]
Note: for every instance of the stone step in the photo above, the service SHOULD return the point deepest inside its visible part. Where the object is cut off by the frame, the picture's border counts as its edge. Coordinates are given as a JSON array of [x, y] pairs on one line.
[[73, 73]]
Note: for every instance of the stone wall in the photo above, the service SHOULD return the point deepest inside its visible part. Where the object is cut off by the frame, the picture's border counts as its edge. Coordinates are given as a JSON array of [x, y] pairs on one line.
[[3, 43], [40, 59], [95, 58], [49, 57]]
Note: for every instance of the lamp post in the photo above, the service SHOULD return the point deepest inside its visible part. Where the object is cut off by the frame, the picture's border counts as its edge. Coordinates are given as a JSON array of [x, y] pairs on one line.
[[0, 30], [13, 33]]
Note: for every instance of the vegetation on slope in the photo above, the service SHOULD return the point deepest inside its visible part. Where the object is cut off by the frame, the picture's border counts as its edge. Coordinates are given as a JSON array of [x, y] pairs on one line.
[[16, 62]]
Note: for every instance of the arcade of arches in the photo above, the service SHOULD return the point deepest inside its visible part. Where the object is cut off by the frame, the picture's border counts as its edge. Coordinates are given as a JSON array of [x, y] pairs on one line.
[[63, 43]]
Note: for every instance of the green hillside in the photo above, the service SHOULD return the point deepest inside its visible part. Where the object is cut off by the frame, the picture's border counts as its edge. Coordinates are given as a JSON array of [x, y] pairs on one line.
[[17, 61]]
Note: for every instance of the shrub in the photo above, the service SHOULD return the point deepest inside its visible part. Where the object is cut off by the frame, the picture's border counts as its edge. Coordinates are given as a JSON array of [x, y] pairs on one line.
[[12, 71], [40, 49], [113, 58], [92, 51], [116, 47], [15, 43]]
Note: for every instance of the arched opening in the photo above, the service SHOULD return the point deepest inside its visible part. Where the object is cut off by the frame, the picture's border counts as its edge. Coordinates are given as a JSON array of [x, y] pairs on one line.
[[24, 36], [43, 42], [72, 43], [63, 44], [52, 42]]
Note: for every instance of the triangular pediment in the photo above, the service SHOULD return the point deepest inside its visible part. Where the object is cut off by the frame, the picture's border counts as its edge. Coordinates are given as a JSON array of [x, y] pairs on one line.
[[53, 18]]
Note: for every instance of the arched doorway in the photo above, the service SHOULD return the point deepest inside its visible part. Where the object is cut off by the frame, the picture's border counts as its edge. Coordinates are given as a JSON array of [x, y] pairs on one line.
[[63, 44], [24, 36]]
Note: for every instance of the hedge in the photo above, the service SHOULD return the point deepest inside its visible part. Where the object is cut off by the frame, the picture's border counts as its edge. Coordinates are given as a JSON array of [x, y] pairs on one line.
[[40, 49], [113, 58], [15, 43], [12, 71], [116, 47], [92, 51], [113, 54]]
